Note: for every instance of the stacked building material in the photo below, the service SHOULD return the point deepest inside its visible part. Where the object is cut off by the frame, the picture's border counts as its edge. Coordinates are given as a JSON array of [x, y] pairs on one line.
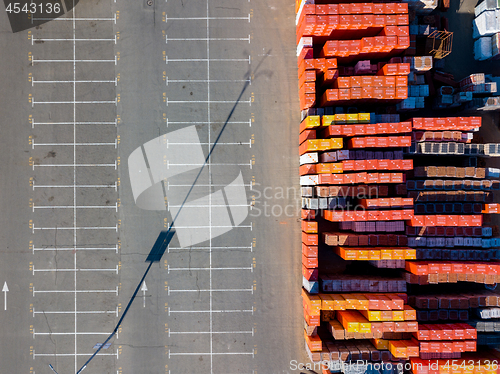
[[332, 34], [392, 225], [487, 21]]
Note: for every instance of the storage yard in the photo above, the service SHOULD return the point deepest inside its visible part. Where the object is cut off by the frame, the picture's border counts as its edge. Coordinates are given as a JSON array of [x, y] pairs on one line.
[[399, 181]]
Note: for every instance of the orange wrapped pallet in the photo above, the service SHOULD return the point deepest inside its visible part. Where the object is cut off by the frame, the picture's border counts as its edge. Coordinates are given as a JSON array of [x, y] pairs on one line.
[[449, 123], [367, 215], [446, 220]]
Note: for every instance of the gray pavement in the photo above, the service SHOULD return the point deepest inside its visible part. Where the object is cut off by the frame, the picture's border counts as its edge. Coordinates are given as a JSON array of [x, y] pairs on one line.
[[75, 260], [75, 241]]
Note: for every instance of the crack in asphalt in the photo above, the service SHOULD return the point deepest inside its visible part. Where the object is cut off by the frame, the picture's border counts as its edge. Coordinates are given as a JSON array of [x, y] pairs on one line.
[[50, 330]]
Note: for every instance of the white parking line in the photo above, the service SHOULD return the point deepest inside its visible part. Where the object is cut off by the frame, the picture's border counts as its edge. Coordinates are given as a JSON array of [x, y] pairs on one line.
[[72, 270], [115, 248], [43, 40], [77, 207], [69, 333], [77, 291], [74, 165], [77, 228], [208, 206], [238, 248], [71, 354], [217, 164], [33, 123], [249, 122], [208, 332], [206, 39], [169, 290], [209, 353], [221, 143], [212, 311], [75, 19], [71, 144], [72, 312], [33, 102], [207, 185], [167, 80], [205, 18], [169, 269], [167, 60], [72, 82], [33, 61], [75, 185], [214, 226], [249, 101]]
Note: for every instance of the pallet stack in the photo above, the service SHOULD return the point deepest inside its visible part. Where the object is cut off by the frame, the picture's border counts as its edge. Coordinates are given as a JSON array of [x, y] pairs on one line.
[[390, 225], [486, 30], [332, 34], [483, 90]]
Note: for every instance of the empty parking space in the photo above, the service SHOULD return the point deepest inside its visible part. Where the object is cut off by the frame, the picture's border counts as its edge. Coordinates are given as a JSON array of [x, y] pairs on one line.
[[206, 61], [75, 267]]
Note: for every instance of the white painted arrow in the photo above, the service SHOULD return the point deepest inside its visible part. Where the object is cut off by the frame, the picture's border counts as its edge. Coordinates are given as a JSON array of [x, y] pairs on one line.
[[5, 289], [144, 288]]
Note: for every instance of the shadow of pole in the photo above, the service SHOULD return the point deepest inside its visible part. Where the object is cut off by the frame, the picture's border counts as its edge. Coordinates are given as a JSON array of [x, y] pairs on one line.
[[248, 77]]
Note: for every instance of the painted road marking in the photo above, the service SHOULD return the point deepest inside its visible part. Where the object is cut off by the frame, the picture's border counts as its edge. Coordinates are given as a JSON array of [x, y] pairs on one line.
[[167, 60], [74, 165], [71, 123], [114, 144], [75, 185], [216, 164], [77, 291], [5, 289], [75, 19], [43, 40], [115, 248], [213, 248], [213, 226], [144, 288], [43, 312], [202, 143], [207, 185], [212, 311], [72, 354], [207, 332], [207, 206], [69, 333], [72, 82], [77, 228], [77, 207], [33, 61], [71, 270], [249, 122], [167, 80], [205, 18], [33, 102], [214, 290], [169, 269], [249, 101], [206, 39], [208, 353]]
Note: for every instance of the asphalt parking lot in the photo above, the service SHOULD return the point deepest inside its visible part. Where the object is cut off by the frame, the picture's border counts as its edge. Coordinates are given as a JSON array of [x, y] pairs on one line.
[[87, 90]]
